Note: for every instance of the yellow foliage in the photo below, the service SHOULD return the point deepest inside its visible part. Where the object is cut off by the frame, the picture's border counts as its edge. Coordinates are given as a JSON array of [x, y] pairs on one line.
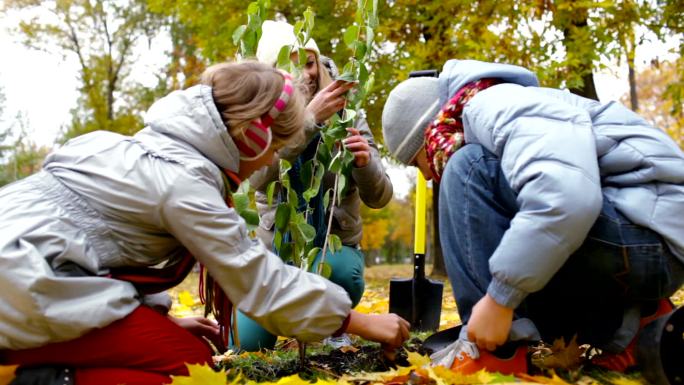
[[374, 234], [418, 360], [481, 377], [202, 375], [7, 374], [186, 299], [296, 380], [619, 380]]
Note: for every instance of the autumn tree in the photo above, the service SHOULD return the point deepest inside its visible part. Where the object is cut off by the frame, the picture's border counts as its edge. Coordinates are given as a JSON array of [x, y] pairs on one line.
[[102, 36], [376, 224], [662, 112], [4, 130]]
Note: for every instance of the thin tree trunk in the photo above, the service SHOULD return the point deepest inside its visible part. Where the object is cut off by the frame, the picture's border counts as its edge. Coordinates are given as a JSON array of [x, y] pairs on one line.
[[588, 88], [633, 98]]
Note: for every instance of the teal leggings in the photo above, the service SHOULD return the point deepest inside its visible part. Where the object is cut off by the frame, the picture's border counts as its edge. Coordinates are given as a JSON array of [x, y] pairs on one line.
[[347, 271]]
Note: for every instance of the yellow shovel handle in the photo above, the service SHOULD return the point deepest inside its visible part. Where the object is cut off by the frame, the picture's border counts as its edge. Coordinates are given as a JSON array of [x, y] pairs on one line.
[[421, 195]]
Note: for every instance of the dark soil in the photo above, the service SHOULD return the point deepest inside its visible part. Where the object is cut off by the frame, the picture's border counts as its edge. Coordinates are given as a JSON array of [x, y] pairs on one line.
[[331, 364]]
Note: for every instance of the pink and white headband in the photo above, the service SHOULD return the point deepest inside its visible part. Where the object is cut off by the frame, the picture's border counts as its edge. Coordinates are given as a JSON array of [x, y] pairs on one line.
[[256, 138]]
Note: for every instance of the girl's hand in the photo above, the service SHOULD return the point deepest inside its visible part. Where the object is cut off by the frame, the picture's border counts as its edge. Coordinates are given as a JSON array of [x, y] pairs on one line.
[[358, 145], [388, 329], [329, 100], [490, 323], [200, 327]]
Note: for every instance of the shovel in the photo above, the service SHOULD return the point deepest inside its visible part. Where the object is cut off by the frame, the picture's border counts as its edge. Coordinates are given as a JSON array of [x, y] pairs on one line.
[[418, 299]]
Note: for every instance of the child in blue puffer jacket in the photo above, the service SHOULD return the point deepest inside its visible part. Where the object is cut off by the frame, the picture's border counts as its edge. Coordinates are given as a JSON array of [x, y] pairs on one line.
[[559, 215]]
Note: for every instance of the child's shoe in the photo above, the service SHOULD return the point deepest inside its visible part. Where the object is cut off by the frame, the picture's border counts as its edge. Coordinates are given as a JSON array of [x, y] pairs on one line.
[[464, 357], [620, 362]]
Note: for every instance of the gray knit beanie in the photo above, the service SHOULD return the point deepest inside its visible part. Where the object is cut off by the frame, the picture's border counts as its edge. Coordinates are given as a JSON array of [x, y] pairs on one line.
[[410, 107]]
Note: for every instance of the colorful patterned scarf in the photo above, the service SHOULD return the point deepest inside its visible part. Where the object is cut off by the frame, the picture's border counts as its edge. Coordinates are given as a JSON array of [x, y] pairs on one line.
[[444, 135]]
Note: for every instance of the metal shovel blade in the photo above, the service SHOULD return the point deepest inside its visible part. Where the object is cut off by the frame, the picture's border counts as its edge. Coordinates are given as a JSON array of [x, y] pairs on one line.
[[442, 339], [417, 300]]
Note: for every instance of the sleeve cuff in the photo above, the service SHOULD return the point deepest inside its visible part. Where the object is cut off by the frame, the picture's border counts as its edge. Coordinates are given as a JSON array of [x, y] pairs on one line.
[[343, 328], [505, 294], [369, 173]]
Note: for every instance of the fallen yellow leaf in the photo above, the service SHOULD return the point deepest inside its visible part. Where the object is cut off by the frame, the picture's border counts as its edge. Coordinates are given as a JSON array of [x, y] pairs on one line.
[[200, 375], [418, 360], [185, 298], [7, 373]]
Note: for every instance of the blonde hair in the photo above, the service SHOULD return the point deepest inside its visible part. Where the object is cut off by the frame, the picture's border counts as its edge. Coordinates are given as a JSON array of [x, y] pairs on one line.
[[324, 78], [247, 90]]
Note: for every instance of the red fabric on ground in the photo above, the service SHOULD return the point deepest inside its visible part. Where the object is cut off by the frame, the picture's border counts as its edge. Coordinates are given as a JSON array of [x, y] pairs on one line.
[[145, 344]]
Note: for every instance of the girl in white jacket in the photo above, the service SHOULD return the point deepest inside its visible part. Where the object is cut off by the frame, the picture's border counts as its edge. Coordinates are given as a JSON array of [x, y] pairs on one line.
[[112, 218]]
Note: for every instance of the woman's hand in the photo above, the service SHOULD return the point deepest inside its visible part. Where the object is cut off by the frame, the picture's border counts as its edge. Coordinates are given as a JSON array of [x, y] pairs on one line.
[[490, 323], [388, 329], [200, 327], [329, 100], [358, 145]]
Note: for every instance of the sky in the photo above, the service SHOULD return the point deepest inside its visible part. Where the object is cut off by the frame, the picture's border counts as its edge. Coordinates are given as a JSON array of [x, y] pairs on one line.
[[43, 87]]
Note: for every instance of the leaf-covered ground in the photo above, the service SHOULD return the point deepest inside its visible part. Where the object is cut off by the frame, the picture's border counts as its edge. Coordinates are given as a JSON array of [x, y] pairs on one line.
[[363, 362]]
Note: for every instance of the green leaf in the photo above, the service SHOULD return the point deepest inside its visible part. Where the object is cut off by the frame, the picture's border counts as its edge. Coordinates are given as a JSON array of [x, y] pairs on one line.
[[253, 8], [307, 231], [301, 57], [285, 166], [326, 199], [282, 216], [240, 202], [317, 178], [277, 239], [307, 173], [269, 192], [251, 217], [349, 116], [292, 199], [347, 77], [348, 157], [237, 34], [336, 163], [311, 256], [284, 56], [323, 157], [360, 48], [298, 27], [341, 185], [351, 35], [309, 18], [370, 34], [363, 74], [335, 243], [325, 269], [286, 252]]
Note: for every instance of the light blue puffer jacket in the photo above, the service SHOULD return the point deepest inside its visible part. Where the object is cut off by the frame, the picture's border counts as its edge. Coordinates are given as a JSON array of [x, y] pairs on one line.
[[563, 154]]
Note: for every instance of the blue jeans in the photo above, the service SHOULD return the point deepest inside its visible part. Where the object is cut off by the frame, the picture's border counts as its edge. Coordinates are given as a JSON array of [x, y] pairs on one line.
[[619, 266], [347, 267]]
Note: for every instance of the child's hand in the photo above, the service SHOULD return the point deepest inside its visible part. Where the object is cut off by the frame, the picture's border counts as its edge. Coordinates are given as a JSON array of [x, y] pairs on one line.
[[358, 145], [200, 327], [388, 329], [489, 324], [329, 100]]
